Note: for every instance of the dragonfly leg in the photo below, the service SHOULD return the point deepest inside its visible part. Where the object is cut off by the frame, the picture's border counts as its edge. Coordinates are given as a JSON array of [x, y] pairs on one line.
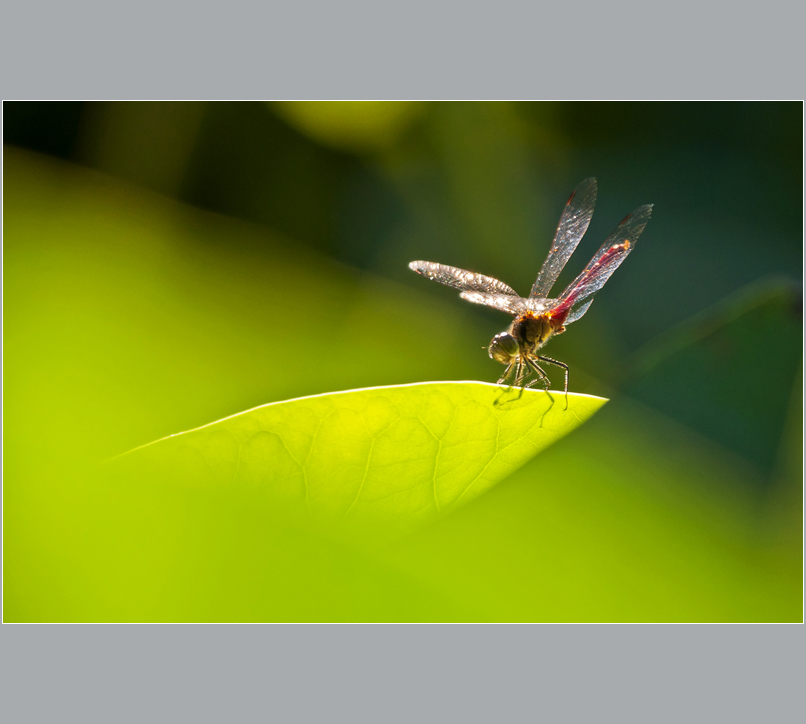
[[516, 365], [558, 364], [541, 375], [520, 374], [522, 384], [502, 380]]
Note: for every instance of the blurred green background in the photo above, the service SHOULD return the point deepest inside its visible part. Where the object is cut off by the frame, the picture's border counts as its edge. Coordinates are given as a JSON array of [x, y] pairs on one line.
[[168, 264]]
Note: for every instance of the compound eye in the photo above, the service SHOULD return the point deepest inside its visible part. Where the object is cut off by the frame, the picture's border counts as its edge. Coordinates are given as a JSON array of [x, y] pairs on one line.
[[503, 347]]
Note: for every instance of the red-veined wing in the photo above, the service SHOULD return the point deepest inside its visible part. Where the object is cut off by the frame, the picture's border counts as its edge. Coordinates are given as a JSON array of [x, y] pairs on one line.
[[573, 224], [577, 297], [461, 279]]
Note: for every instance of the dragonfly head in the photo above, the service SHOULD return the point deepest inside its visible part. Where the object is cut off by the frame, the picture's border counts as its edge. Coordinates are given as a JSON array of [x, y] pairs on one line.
[[503, 348]]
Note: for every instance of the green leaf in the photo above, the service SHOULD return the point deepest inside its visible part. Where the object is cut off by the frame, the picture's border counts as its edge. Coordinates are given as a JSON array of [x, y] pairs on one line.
[[394, 456]]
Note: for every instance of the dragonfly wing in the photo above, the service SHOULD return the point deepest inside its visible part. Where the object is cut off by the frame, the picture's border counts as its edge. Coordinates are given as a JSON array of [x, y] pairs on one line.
[[578, 312], [610, 255], [461, 279], [510, 304], [573, 224]]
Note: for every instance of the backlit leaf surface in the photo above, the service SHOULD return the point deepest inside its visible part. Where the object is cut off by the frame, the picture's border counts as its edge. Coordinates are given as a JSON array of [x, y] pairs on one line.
[[392, 455]]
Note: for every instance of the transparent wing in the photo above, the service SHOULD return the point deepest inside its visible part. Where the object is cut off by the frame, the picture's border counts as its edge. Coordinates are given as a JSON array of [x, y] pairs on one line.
[[615, 249], [572, 227], [461, 279], [513, 305], [578, 312]]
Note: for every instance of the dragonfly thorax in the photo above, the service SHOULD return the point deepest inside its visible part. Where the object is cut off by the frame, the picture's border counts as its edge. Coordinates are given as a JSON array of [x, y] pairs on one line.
[[532, 332], [526, 335]]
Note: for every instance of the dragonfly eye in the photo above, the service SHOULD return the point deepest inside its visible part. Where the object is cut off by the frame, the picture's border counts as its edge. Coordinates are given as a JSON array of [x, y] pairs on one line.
[[503, 348]]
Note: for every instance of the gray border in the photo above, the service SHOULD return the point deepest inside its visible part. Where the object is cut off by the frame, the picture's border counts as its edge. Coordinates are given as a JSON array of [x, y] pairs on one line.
[[363, 50], [383, 673]]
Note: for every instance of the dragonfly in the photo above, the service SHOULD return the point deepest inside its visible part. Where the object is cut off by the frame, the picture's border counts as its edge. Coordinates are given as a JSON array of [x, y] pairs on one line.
[[539, 317]]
